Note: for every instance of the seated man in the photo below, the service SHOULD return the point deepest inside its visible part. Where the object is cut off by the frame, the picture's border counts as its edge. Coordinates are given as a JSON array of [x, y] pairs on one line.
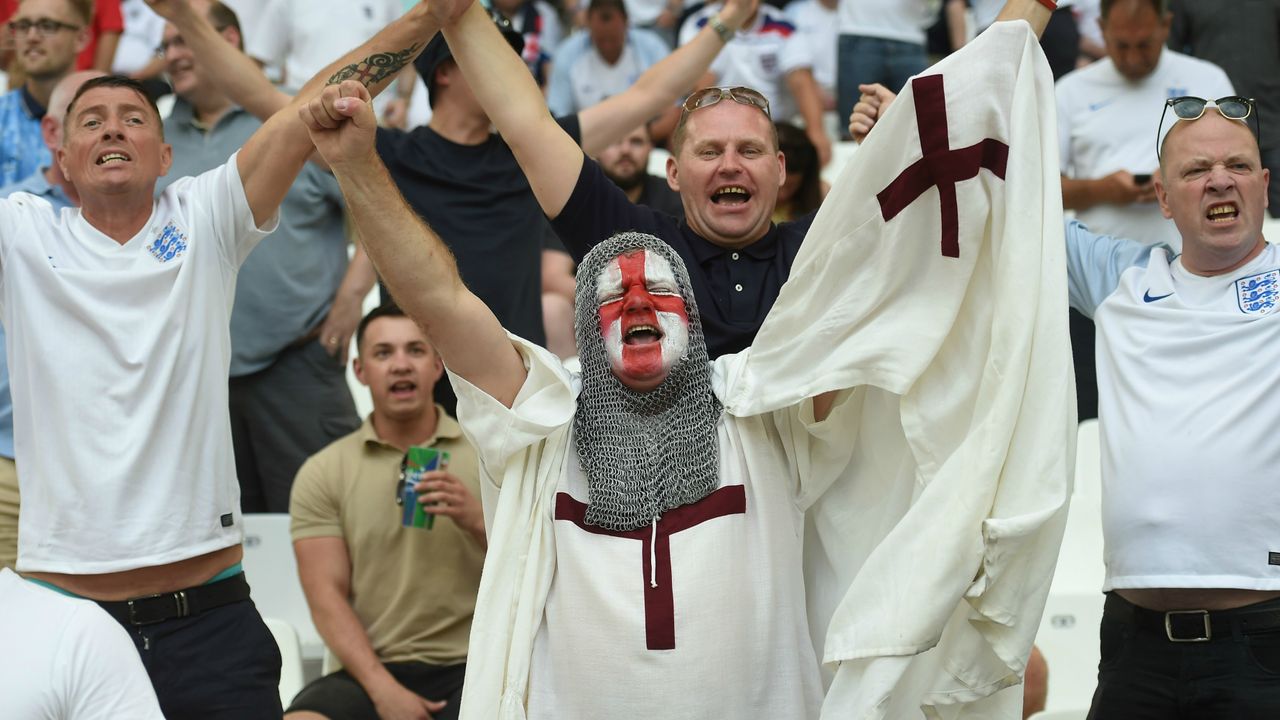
[[393, 603]]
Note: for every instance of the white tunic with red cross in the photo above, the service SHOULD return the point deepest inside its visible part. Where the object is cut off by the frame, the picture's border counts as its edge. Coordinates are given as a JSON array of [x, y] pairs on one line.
[[700, 615]]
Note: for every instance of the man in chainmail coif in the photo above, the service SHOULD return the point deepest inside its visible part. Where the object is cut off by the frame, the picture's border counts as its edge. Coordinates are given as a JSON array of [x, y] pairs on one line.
[[647, 514], [666, 531]]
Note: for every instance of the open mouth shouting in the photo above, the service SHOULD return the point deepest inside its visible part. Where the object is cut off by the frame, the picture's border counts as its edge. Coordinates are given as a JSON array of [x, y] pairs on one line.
[[731, 195], [112, 157], [1222, 213], [403, 389], [643, 319]]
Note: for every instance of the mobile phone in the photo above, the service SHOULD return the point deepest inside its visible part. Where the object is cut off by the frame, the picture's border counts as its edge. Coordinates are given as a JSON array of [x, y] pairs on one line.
[[1141, 178]]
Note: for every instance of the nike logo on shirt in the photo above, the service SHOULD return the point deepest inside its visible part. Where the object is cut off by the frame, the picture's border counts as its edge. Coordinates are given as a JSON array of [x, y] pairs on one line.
[[1094, 107], [1147, 298]]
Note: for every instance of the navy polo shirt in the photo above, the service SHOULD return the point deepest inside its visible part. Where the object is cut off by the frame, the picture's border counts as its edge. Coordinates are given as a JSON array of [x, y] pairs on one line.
[[734, 289]]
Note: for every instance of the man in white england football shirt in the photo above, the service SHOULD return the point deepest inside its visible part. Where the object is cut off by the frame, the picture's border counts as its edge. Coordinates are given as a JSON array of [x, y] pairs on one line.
[[1187, 374], [117, 315]]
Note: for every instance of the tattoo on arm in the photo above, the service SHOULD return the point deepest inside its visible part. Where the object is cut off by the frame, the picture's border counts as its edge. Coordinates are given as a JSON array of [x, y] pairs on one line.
[[375, 68]]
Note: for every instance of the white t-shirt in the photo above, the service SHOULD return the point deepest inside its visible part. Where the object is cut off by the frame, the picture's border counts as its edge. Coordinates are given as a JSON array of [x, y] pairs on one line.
[[580, 77], [818, 25], [118, 357], [66, 659], [1187, 376], [1108, 123], [901, 20], [1087, 13], [143, 31], [303, 37], [759, 56]]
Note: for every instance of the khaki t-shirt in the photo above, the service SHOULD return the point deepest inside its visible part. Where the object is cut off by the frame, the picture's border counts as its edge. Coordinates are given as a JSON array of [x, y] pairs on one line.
[[413, 589]]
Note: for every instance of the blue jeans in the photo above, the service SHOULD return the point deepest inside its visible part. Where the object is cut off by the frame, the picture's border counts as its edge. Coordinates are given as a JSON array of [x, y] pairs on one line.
[[1144, 676], [862, 60]]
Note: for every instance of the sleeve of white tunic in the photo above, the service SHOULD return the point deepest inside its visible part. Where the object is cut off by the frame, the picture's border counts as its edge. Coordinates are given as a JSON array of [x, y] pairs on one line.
[[940, 537], [522, 452]]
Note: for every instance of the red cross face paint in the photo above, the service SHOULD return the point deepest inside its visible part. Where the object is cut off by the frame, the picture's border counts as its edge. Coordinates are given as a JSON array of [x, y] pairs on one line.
[[642, 318]]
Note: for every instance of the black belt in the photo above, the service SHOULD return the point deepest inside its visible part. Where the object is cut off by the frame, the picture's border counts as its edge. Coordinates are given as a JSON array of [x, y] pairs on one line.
[[1197, 625], [182, 603]]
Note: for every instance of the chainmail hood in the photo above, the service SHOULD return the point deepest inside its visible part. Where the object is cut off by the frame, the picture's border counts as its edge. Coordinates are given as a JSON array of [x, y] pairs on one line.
[[643, 452]]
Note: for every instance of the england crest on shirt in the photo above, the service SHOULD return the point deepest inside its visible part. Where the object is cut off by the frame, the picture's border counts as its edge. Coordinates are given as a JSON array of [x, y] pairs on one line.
[[170, 243], [1259, 293]]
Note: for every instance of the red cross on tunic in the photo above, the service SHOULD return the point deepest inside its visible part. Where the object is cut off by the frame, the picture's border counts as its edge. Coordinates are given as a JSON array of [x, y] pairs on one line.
[[941, 166], [659, 601]]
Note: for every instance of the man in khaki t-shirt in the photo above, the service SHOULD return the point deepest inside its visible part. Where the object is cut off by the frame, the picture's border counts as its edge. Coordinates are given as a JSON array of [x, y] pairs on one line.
[[393, 603]]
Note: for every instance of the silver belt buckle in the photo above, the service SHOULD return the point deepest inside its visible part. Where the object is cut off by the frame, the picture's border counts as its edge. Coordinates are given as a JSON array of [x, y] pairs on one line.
[[1168, 626]]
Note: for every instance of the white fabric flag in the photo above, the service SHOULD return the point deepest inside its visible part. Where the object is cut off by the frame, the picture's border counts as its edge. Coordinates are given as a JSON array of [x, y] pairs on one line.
[[933, 281]]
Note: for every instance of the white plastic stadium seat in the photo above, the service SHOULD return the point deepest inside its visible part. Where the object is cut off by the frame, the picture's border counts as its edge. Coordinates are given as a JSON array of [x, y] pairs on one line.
[[1068, 638], [290, 658], [272, 572]]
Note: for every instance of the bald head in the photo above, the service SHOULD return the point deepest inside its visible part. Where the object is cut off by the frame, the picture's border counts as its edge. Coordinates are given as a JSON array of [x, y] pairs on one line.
[[1180, 141]]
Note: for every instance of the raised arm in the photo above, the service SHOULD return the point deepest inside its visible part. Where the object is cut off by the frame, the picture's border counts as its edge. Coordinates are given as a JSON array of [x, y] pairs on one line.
[[661, 85], [271, 159], [509, 95], [411, 259], [239, 77], [1035, 12]]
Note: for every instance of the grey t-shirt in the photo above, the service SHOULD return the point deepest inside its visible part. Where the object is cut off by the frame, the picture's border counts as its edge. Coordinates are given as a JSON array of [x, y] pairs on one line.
[[286, 286], [1243, 38]]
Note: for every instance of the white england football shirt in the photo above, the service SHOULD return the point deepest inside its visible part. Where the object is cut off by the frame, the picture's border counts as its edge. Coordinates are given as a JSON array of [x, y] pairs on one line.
[[118, 357], [1108, 123], [1188, 373]]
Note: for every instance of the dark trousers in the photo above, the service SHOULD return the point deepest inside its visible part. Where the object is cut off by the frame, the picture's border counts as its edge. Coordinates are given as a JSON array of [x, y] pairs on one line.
[[283, 415], [339, 697], [1271, 161], [222, 664], [1144, 676]]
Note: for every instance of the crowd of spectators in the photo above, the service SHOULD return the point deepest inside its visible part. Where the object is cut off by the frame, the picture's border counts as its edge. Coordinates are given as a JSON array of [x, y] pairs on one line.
[[519, 200]]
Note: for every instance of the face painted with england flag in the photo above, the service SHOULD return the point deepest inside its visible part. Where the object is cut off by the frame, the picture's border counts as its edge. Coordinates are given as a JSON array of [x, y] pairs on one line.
[[643, 320]]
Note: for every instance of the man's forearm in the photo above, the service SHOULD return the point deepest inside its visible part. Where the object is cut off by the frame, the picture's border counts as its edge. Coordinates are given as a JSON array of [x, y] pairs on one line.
[[1033, 11], [499, 79], [104, 55], [424, 280], [238, 75], [1078, 194], [412, 260], [360, 276]]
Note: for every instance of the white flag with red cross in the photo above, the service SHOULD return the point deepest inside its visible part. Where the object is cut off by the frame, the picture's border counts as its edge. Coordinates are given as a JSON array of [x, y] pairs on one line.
[[933, 283]]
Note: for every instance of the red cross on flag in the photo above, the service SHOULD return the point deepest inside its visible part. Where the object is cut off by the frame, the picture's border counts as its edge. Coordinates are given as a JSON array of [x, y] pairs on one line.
[[933, 284]]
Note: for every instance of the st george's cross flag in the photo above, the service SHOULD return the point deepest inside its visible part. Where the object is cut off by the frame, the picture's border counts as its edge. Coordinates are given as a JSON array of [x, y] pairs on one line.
[[933, 283]]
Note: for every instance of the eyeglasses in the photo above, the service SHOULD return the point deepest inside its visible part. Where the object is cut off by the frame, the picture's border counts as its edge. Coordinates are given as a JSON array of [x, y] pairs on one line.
[[44, 26], [707, 97], [1189, 108]]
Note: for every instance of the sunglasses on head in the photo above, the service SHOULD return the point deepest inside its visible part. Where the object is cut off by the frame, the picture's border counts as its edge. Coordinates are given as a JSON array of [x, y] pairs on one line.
[[707, 97], [1190, 108]]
